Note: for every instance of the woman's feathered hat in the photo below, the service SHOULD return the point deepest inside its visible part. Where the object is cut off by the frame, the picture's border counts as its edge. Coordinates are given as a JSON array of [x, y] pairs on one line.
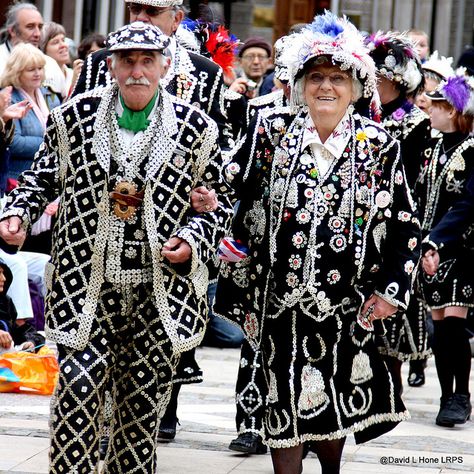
[[396, 59], [458, 90], [211, 40], [337, 38]]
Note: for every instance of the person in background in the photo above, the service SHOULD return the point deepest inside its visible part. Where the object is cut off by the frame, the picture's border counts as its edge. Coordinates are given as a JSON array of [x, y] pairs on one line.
[[8, 112], [255, 57], [436, 69], [24, 71], [11, 331], [332, 238], [449, 289], [53, 44], [23, 25], [269, 84], [421, 41], [400, 77], [90, 44], [466, 60]]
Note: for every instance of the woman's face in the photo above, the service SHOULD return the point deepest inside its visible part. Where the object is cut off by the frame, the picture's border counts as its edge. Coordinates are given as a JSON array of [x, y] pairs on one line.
[[441, 118], [94, 47], [328, 90], [57, 48], [422, 101], [387, 89], [31, 77]]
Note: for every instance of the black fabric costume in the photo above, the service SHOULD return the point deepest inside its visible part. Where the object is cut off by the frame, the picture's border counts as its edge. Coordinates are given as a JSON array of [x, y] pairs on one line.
[[318, 247], [449, 166], [406, 337]]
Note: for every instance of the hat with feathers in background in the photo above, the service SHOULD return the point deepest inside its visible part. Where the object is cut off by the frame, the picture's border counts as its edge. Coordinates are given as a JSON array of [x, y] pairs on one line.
[[211, 40], [339, 40], [397, 60], [458, 90], [441, 65]]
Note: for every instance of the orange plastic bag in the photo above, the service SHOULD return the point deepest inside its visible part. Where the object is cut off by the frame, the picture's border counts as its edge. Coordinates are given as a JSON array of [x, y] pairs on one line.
[[36, 372]]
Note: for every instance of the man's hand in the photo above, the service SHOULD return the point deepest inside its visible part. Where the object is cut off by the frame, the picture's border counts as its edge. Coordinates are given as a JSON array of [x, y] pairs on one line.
[[240, 85], [12, 232], [5, 339], [378, 308], [176, 250], [204, 200], [430, 262]]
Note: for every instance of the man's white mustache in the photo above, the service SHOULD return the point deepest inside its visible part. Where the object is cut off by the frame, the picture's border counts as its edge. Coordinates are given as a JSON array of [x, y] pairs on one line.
[[143, 81]]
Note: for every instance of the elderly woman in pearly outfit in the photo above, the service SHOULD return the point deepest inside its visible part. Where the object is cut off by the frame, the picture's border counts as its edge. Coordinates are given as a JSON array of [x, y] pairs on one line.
[[332, 243]]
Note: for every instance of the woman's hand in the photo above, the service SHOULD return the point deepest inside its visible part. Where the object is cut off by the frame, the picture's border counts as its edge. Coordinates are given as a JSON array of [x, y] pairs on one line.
[[204, 200], [378, 308], [430, 262], [51, 208], [17, 111]]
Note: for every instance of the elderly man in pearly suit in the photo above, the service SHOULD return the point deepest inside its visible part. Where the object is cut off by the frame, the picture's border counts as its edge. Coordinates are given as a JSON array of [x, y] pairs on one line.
[[128, 277]]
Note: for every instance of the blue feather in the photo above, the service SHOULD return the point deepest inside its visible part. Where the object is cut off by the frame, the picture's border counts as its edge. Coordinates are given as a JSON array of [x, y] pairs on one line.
[[327, 24], [189, 24]]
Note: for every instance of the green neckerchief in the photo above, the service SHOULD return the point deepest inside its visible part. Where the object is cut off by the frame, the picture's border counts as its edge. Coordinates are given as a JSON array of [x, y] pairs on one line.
[[136, 121]]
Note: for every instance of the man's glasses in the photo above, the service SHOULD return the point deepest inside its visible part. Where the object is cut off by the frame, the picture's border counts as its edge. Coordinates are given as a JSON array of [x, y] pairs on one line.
[[137, 8], [336, 78], [253, 57]]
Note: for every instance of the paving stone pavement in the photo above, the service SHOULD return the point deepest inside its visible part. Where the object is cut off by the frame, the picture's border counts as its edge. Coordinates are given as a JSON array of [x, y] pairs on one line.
[[206, 412]]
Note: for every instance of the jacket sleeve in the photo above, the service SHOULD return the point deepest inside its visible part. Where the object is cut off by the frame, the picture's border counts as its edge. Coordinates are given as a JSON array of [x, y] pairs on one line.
[[456, 222], [204, 231], [218, 113], [40, 185], [401, 249]]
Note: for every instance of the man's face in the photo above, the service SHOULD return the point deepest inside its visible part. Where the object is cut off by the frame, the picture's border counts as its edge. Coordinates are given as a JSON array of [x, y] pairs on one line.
[[138, 74], [165, 18], [255, 63], [28, 28]]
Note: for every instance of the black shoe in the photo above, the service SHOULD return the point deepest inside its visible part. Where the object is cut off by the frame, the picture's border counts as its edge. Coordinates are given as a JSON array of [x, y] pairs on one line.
[[249, 443], [456, 411], [167, 429], [416, 379], [103, 445]]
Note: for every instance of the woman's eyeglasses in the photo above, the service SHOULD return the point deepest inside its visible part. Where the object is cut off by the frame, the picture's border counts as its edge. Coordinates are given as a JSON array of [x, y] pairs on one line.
[[336, 78], [137, 8]]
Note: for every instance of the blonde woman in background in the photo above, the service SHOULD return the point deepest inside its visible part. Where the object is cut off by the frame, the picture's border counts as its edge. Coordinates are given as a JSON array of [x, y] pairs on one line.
[[24, 71]]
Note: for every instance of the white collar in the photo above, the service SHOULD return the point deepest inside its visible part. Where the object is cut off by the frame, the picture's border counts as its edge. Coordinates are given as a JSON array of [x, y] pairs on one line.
[[336, 142]]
